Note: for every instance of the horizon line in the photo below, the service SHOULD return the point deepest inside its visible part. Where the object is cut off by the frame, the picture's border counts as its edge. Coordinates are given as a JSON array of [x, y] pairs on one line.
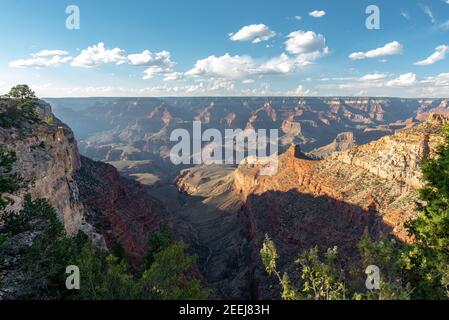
[[268, 96]]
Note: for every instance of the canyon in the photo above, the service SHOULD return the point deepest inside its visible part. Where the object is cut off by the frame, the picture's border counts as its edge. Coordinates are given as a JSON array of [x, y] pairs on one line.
[[346, 165]]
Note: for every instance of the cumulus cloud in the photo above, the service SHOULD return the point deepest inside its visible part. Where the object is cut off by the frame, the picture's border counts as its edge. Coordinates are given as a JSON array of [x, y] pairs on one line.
[[441, 80], [147, 58], [216, 87], [158, 63], [42, 59], [438, 55], [278, 65], [302, 48], [226, 66], [301, 42], [255, 33], [317, 13], [299, 91], [173, 76], [39, 62], [97, 55], [405, 85], [389, 49], [298, 18], [404, 80], [50, 53], [374, 77], [240, 67]]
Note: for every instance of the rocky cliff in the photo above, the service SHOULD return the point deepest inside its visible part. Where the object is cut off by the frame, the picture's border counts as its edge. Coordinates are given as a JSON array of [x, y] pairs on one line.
[[342, 142], [138, 129], [333, 201], [48, 159], [88, 196], [383, 175], [119, 208]]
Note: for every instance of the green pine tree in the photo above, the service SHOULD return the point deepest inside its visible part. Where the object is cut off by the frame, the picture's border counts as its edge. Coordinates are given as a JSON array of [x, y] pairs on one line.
[[428, 258]]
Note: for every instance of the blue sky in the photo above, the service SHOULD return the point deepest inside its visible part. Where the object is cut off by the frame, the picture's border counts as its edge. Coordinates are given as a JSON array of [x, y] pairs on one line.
[[201, 48]]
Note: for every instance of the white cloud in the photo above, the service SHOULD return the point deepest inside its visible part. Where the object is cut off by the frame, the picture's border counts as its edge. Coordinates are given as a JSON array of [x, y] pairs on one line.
[[429, 13], [405, 80], [405, 14], [153, 71], [438, 80], [220, 84], [301, 42], [439, 54], [39, 62], [50, 90], [305, 46], [338, 79], [97, 55], [278, 65], [226, 66], [317, 13], [50, 53], [299, 17], [245, 67], [255, 33], [147, 58], [405, 85], [299, 91], [433, 86], [158, 63], [173, 76], [42, 59], [374, 77], [389, 49]]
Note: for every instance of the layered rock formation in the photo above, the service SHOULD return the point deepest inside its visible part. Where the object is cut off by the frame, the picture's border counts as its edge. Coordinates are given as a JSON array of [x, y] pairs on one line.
[[88, 196], [224, 212], [327, 203], [119, 208], [331, 202], [342, 142], [47, 158], [384, 173], [138, 129], [209, 208]]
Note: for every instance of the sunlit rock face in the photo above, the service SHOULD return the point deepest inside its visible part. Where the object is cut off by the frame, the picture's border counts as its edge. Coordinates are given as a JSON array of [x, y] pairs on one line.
[[84, 193], [333, 201], [47, 158]]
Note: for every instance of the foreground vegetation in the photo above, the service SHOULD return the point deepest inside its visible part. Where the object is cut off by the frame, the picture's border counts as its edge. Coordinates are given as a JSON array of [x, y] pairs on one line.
[[104, 275], [416, 271], [22, 110]]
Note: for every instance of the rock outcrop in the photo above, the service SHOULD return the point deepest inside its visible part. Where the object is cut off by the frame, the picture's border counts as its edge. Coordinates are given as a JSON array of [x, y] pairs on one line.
[[88, 196], [114, 129], [342, 142], [48, 158], [119, 208], [333, 201]]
